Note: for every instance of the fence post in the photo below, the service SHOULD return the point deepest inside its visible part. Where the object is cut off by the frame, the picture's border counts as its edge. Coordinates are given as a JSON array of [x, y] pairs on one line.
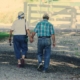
[[25, 10], [29, 14], [73, 18]]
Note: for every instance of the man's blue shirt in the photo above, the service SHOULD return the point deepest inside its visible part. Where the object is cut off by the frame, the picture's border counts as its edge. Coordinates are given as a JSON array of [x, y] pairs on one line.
[[44, 28]]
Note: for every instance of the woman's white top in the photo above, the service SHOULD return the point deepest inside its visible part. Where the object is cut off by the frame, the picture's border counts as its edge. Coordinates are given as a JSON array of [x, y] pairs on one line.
[[18, 27]]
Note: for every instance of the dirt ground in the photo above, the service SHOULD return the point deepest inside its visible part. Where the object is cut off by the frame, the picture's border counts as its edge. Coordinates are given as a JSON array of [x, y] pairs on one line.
[[64, 63]]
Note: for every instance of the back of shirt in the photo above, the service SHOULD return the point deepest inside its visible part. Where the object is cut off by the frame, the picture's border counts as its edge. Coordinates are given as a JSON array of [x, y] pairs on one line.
[[44, 28], [18, 27]]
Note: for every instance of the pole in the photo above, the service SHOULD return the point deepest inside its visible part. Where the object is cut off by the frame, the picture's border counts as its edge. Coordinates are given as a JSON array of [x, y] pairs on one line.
[[40, 9], [25, 9], [48, 4]]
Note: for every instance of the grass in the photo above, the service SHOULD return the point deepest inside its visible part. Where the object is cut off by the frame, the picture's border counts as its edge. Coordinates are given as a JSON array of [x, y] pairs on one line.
[[4, 35]]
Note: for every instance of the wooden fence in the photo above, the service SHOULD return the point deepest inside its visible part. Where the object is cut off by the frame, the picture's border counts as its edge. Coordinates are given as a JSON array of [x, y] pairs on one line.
[[61, 16]]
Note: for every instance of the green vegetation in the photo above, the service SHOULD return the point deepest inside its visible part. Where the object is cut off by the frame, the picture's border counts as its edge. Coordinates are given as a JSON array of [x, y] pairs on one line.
[[4, 35]]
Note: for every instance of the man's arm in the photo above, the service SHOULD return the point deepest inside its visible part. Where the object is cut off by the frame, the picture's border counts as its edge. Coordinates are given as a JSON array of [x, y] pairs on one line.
[[53, 39], [33, 34]]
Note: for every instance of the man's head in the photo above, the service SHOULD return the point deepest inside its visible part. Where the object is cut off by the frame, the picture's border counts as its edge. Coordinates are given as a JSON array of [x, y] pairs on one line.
[[46, 16], [20, 15]]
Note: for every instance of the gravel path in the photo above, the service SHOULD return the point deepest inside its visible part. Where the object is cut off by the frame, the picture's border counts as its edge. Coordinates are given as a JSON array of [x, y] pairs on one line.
[[64, 64]]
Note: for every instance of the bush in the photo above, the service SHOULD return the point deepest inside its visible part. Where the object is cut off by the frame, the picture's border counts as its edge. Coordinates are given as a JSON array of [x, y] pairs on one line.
[[4, 35]]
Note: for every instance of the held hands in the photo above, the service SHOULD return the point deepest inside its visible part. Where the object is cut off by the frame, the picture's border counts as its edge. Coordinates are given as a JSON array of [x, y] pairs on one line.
[[31, 40], [54, 44]]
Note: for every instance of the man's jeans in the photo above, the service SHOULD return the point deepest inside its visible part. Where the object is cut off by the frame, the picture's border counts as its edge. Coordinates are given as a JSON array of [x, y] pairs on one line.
[[44, 48]]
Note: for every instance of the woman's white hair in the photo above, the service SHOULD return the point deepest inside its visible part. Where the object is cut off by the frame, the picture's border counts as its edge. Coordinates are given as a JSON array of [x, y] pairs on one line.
[[21, 14]]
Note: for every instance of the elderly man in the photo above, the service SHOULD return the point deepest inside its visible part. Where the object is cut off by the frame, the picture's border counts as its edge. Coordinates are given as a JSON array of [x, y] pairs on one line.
[[19, 38], [45, 31]]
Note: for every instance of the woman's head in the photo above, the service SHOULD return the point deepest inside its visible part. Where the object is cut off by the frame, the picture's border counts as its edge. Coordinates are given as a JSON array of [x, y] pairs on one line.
[[20, 15]]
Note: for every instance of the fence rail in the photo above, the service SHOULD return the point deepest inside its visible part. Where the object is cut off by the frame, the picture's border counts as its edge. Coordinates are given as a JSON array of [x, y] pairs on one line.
[[35, 12]]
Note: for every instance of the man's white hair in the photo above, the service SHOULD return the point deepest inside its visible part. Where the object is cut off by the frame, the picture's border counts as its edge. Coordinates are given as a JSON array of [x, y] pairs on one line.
[[45, 14]]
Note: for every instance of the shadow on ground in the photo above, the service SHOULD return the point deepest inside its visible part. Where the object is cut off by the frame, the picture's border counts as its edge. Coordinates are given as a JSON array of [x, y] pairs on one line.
[[59, 63]]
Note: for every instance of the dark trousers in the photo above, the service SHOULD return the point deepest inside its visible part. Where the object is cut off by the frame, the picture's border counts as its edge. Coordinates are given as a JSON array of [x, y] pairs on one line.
[[20, 45]]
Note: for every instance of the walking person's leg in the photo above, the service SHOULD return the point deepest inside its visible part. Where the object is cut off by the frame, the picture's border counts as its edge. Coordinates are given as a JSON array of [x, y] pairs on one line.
[[47, 54], [40, 54], [17, 49], [24, 48]]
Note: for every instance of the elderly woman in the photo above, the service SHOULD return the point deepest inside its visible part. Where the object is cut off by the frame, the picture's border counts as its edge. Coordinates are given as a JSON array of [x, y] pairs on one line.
[[19, 38]]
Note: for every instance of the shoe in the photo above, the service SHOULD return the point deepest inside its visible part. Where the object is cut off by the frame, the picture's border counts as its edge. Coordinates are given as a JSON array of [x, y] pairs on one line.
[[25, 56], [22, 62], [40, 67], [19, 65], [45, 70]]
